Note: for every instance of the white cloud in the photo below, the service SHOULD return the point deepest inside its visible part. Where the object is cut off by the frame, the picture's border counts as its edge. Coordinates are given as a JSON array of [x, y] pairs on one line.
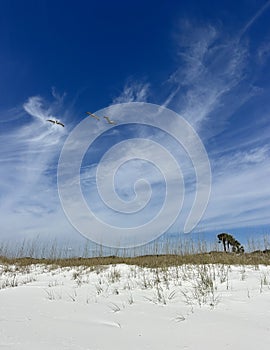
[[206, 88], [211, 69], [239, 159], [28, 156], [240, 190], [11, 115], [211, 83], [254, 18], [129, 173], [133, 92]]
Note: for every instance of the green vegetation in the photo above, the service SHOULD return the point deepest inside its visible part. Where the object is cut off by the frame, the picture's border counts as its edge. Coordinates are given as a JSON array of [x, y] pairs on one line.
[[151, 261], [228, 240], [175, 253]]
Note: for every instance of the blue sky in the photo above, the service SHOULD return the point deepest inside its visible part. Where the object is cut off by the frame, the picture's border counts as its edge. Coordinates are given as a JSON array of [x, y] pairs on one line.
[[208, 62]]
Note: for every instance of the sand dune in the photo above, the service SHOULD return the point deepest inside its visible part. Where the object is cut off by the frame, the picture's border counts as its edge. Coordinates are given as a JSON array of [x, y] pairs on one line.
[[128, 307]]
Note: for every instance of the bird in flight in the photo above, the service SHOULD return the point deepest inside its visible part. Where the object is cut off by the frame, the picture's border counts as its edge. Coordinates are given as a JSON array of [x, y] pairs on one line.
[[109, 120], [93, 115], [55, 122]]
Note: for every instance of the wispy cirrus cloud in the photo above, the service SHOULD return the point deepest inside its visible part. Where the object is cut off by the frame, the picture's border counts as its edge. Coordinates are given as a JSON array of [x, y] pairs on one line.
[[254, 18], [213, 82], [11, 115], [214, 78], [210, 83], [134, 91], [240, 190], [29, 154], [211, 69]]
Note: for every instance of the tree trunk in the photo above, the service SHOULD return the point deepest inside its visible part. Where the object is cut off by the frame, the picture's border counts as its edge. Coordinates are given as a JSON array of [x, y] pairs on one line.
[[224, 244]]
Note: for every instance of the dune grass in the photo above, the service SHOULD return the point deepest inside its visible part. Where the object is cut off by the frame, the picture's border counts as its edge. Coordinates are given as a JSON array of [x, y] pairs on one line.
[[169, 253], [150, 261], [197, 276]]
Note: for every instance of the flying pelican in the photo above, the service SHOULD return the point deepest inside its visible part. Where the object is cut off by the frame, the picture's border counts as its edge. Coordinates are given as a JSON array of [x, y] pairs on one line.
[[109, 120], [93, 115], [55, 122]]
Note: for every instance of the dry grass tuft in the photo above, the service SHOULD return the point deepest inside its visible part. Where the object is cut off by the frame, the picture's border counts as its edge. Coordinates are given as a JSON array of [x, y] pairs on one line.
[[150, 261]]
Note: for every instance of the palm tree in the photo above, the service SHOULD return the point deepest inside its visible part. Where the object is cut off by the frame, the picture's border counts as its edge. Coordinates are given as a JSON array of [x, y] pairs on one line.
[[223, 237], [228, 240]]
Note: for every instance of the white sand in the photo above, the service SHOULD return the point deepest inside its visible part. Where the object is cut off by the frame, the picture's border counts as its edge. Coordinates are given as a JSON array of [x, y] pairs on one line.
[[125, 307]]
